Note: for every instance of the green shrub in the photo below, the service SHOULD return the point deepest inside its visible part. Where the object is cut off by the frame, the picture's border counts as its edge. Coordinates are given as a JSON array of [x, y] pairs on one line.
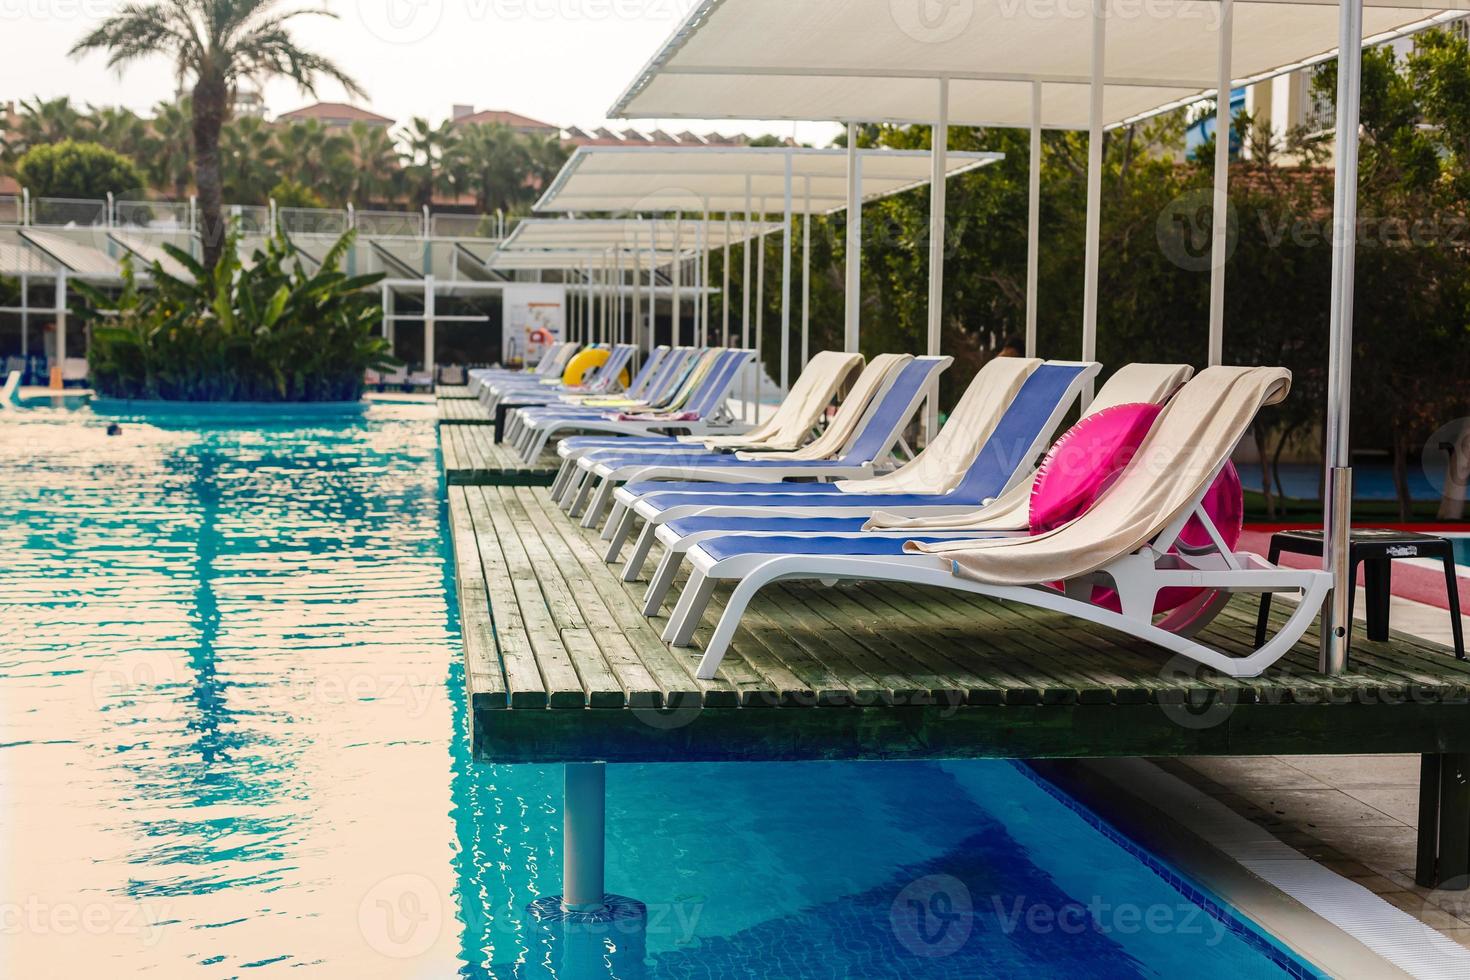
[[273, 332], [80, 170], [293, 194]]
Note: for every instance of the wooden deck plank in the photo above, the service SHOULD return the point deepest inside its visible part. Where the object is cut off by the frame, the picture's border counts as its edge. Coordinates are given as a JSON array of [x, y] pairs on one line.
[[462, 411], [868, 670], [472, 457], [453, 391]]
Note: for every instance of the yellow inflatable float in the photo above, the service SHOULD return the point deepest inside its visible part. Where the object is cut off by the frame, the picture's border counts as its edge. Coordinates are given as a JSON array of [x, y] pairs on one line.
[[582, 364]]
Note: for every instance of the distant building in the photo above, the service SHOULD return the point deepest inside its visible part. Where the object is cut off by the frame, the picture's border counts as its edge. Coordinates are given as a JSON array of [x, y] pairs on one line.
[[249, 103], [464, 115], [335, 114]]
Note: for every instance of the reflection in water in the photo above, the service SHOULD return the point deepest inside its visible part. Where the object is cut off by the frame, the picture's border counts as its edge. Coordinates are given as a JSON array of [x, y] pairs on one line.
[[232, 737]]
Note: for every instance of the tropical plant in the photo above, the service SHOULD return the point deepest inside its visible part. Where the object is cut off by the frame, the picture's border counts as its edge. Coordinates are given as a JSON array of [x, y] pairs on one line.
[[317, 157], [429, 155], [248, 160], [72, 169], [377, 173], [171, 159], [272, 331], [294, 194], [218, 43]]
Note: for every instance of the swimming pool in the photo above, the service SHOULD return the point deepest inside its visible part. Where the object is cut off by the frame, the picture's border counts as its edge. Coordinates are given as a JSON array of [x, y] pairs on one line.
[[232, 739]]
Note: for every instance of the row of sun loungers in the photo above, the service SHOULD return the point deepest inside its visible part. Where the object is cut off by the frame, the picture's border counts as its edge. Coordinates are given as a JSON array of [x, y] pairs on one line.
[[813, 493]]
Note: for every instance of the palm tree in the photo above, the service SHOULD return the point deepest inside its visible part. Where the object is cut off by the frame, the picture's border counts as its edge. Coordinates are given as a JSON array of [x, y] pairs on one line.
[[247, 157], [431, 150], [171, 158], [491, 161], [217, 43], [316, 157], [377, 171]]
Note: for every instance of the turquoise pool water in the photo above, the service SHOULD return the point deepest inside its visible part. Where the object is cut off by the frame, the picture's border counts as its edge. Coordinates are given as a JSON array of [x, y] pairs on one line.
[[232, 744]]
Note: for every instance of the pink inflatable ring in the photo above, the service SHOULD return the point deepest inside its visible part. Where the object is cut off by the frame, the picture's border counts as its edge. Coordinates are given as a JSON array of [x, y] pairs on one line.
[[1090, 456]]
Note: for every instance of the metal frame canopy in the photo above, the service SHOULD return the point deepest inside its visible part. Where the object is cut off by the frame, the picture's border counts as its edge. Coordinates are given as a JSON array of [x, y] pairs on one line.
[[874, 60], [732, 179], [596, 235], [975, 63]]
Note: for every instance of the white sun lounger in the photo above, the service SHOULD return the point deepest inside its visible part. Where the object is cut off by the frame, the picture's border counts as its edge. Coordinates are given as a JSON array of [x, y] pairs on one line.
[[1123, 541]]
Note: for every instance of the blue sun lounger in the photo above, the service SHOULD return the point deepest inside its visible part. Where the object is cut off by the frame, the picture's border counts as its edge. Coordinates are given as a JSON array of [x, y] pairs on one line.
[[1021, 434], [704, 411], [600, 380]]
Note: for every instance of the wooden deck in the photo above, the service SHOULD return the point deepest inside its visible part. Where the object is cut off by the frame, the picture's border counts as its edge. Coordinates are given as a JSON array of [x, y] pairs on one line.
[[462, 411], [453, 391], [473, 457], [562, 666]]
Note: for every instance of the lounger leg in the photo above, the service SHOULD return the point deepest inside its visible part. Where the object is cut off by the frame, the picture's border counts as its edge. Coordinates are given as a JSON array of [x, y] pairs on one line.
[[614, 514], [686, 615], [719, 641], [662, 581], [579, 499], [563, 474], [599, 501], [538, 445], [619, 523], [574, 483], [641, 549]]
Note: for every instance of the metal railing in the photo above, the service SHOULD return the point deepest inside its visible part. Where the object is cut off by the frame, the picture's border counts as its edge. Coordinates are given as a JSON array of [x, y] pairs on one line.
[[253, 219]]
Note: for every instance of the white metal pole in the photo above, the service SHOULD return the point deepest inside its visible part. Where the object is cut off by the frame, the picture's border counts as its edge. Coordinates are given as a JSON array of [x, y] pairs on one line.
[[1033, 221], [704, 275], [760, 308], [584, 837], [25, 317], [1094, 191], [806, 276], [58, 370], [725, 286], [429, 327], [748, 387], [677, 306], [939, 170], [653, 287], [786, 280], [1339, 503], [852, 312], [636, 328], [1219, 232]]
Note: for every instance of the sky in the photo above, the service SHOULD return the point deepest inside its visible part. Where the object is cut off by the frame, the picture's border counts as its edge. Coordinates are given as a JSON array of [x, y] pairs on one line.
[[560, 61]]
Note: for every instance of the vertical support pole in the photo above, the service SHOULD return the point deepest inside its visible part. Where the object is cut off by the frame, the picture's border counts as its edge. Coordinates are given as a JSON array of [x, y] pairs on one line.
[[387, 309], [1336, 614], [852, 311], [786, 279], [584, 837], [1443, 853], [725, 286], [57, 371], [1219, 232], [678, 261], [636, 328], [25, 317], [429, 327], [704, 276], [1033, 221], [806, 276], [1094, 190], [939, 171], [746, 394], [653, 287], [760, 310]]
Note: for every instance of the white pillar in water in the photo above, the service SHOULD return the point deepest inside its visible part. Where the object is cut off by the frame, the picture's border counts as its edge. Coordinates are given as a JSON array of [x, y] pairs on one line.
[[584, 838]]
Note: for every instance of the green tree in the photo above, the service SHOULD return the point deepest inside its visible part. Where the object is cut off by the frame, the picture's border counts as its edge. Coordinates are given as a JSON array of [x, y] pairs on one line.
[[377, 171], [316, 156], [170, 160], [429, 156], [248, 160], [217, 43], [293, 194], [78, 170]]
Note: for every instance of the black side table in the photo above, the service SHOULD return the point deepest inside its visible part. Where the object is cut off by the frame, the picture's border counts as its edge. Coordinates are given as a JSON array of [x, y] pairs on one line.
[[1376, 549]]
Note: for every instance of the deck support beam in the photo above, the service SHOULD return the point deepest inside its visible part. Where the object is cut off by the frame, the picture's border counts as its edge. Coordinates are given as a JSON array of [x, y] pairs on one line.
[[1444, 822]]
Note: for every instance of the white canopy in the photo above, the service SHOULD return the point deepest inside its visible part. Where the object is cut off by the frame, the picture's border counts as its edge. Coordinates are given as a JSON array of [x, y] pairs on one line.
[[876, 60], [729, 179], [601, 235]]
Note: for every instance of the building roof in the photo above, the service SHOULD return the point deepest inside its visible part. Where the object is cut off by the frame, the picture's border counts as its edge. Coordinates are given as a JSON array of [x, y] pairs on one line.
[[506, 118], [335, 111]]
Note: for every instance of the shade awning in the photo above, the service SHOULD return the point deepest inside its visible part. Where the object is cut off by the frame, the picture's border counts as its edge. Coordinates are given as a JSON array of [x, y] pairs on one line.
[[877, 60], [600, 236], [75, 257], [664, 179]]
